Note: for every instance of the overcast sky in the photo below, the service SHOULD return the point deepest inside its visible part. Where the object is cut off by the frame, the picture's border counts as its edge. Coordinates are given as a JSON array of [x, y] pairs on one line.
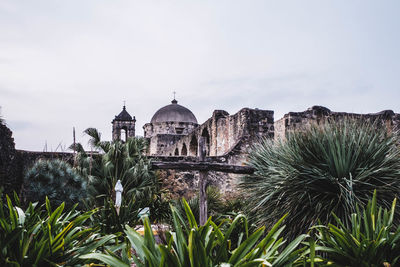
[[73, 63]]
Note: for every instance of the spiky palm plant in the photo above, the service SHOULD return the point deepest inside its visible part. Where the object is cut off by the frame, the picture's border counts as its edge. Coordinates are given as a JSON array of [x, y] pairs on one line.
[[117, 160], [55, 179], [325, 168]]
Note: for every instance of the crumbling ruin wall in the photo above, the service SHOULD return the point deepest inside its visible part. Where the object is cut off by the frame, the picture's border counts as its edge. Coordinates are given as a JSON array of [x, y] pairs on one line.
[[228, 139], [299, 120], [222, 132], [162, 134], [180, 183]]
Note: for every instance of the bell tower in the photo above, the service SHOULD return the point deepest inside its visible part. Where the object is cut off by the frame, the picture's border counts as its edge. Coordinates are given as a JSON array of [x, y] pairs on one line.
[[123, 124]]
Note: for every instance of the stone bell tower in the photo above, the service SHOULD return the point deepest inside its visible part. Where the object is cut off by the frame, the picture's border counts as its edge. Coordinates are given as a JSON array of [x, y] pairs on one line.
[[124, 124]]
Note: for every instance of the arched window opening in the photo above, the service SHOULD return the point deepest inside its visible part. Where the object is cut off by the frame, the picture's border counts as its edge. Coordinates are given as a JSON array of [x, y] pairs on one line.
[[184, 150], [206, 137], [123, 135], [176, 152], [193, 147]]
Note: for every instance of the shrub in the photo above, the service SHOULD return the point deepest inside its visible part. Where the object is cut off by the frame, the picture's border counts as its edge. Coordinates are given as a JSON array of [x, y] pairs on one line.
[[371, 239], [207, 245], [55, 179], [325, 168], [41, 236]]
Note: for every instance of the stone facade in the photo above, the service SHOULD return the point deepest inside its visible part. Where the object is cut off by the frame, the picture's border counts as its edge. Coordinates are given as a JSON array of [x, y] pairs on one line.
[[169, 124], [229, 139], [223, 132], [163, 134], [295, 121]]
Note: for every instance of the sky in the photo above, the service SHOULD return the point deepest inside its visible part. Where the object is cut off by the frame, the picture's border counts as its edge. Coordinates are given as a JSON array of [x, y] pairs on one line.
[[66, 64]]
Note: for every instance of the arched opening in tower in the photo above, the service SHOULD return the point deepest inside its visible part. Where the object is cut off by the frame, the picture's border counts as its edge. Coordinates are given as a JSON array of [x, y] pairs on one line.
[[184, 150], [176, 152], [193, 147], [206, 137], [123, 134]]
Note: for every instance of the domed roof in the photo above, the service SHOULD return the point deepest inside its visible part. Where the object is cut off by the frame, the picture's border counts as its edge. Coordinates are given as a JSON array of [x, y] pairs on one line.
[[174, 112]]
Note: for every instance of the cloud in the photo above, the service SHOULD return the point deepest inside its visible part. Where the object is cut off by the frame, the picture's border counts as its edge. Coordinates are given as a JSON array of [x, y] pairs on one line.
[[72, 63]]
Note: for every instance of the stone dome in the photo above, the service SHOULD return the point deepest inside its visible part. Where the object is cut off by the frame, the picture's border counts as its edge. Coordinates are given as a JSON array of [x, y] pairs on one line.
[[174, 112]]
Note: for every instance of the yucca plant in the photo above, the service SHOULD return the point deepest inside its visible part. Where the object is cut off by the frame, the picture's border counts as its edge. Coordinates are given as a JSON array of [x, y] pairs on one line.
[[55, 179], [372, 239], [322, 169], [41, 236], [207, 245]]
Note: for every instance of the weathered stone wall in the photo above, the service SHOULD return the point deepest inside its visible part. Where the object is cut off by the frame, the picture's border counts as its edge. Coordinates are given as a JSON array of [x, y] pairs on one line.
[[186, 183], [160, 134], [316, 114], [223, 132]]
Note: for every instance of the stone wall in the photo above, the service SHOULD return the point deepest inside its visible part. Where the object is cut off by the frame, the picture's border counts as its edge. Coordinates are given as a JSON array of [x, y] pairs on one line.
[[161, 134], [316, 114], [223, 133]]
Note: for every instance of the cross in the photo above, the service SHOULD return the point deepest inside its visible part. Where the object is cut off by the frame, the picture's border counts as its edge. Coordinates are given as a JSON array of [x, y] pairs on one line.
[[174, 94], [124, 103]]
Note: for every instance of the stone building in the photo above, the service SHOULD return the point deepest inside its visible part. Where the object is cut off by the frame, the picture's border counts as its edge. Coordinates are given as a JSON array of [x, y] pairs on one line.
[[123, 125], [174, 131], [167, 126]]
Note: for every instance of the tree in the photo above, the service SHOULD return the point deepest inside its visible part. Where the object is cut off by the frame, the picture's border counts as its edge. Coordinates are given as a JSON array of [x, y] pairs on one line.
[[117, 160]]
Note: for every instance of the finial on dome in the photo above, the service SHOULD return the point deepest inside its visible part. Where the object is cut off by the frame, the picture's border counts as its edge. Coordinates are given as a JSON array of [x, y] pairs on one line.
[[124, 105], [174, 101]]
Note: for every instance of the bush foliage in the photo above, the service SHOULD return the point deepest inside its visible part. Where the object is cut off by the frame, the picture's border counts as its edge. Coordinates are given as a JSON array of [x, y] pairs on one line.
[[55, 179], [325, 168]]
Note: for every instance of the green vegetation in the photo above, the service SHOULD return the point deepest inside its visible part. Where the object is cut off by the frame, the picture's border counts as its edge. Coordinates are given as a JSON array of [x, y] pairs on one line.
[[318, 183], [371, 239], [207, 245], [117, 160], [55, 179], [41, 236], [323, 169]]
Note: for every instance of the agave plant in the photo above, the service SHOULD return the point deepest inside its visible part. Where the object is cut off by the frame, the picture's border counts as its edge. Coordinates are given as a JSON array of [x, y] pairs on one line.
[[325, 168], [207, 245], [41, 236], [372, 239], [55, 179]]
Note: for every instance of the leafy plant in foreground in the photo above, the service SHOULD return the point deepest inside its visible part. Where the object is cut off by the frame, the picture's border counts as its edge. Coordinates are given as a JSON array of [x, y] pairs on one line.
[[206, 245], [371, 239], [322, 169], [45, 237]]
